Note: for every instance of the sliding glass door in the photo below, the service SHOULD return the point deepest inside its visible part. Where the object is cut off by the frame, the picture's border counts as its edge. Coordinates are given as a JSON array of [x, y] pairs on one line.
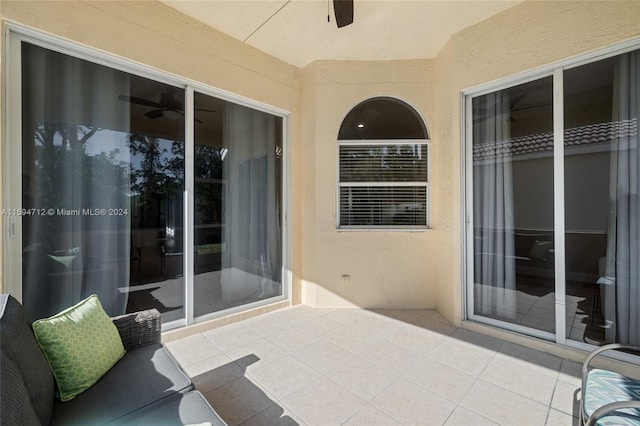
[[577, 280], [238, 221], [513, 230], [602, 179], [103, 160]]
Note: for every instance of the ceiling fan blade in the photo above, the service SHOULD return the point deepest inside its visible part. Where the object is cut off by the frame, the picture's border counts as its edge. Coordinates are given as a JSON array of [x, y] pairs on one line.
[[205, 110], [154, 113], [195, 118], [139, 101], [344, 12]]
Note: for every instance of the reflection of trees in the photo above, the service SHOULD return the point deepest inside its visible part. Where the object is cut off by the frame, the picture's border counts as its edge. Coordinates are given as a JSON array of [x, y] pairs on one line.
[[160, 172], [209, 184], [66, 176], [390, 163], [157, 177]]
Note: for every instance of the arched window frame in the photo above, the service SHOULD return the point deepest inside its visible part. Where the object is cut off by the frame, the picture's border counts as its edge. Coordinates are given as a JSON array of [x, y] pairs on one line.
[[385, 193]]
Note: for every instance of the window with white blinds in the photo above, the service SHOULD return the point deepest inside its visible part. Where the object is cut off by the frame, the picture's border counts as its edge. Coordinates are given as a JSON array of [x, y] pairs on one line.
[[383, 167]]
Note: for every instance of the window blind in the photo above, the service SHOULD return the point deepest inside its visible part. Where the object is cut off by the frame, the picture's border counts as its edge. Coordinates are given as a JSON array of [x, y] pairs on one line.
[[383, 185]]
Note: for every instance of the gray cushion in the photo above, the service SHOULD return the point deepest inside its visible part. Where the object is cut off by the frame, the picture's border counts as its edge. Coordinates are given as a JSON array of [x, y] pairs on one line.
[[143, 376], [189, 408], [19, 345], [14, 399]]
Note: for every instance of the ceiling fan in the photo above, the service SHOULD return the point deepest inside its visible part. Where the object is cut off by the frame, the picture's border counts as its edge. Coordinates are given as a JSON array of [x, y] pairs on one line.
[[343, 10], [167, 102]]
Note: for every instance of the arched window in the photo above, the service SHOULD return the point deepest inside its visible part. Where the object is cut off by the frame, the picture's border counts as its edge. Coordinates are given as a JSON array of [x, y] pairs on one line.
[[383, 179]]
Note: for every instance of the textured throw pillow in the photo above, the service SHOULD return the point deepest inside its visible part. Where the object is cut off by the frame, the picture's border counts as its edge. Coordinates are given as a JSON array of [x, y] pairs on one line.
[[81, 344]]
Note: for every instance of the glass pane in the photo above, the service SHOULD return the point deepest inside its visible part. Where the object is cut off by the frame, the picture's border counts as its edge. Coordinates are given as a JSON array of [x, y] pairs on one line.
[[238, 220], [103, 169], [382, 118], [513, 205], [389, 163], [602, 160], [367, 206]]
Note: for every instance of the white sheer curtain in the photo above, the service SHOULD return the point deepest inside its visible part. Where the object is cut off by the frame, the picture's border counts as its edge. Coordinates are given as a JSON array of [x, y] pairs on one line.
[[621, 281], [74, 135], [494, 262], [252, 255]]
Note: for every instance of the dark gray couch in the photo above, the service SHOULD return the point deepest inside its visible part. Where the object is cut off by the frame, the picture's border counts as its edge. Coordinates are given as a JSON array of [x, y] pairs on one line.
[[146, 387]]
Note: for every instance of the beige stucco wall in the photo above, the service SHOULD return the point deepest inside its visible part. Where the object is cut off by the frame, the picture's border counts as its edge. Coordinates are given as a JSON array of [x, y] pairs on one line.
[[525, 37], [425, 270], [155, 35], [386, 269]]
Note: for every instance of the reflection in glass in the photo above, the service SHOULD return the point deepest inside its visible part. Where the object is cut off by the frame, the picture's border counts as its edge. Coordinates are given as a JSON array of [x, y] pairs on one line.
[[103, 169], [386, 163], [602, 159], [513, 205], [373, 204], [238, 219], [382, 118], [103, 163]]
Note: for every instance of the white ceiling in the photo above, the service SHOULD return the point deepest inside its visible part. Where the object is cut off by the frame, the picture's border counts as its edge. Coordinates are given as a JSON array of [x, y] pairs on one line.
[[297, 31]]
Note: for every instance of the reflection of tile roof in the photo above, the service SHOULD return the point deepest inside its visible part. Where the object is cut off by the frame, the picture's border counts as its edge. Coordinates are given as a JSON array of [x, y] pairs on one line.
[[541, 142]]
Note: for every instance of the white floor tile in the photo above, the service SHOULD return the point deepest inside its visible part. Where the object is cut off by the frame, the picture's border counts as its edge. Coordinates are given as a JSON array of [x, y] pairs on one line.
[[276, 415], [458, 355], [566, 398], [284, 376], [293, 339], [415, 338], [441, 379], [371, 416], [463, 417], [323, 402], [231, 337], [325, 367], [557, 418], [521, 378], [503, 406], [207, 365], [363, 377], [412, 405], [570, 372], [354, 339], [322, 328], [192, 349], [239, 400], [256, 354], [216, 377], [323, 356], [547, 364], [390, 356]]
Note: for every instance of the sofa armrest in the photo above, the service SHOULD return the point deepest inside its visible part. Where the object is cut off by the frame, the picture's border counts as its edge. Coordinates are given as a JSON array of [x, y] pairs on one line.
[[139, 328]]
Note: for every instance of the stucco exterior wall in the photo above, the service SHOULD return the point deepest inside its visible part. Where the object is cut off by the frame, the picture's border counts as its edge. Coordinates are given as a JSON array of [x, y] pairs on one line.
[[426, 270], [386, 269], [523, 38], [156, 35]]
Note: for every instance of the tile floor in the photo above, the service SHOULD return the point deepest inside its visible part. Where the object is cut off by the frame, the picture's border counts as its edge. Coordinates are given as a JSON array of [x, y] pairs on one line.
[[304, 366]]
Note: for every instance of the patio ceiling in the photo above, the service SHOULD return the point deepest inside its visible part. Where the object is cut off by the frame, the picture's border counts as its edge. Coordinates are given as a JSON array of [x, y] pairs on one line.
[[297, 31]]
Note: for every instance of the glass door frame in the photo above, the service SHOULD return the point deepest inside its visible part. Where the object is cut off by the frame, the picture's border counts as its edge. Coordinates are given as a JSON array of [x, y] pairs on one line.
[[15, 35], [556, 70]]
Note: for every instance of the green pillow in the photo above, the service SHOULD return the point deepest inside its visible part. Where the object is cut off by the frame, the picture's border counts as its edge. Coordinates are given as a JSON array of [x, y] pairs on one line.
[[81, 344]]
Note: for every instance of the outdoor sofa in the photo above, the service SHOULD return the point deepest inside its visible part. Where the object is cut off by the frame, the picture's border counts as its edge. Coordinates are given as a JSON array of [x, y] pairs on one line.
[[145, 387]]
